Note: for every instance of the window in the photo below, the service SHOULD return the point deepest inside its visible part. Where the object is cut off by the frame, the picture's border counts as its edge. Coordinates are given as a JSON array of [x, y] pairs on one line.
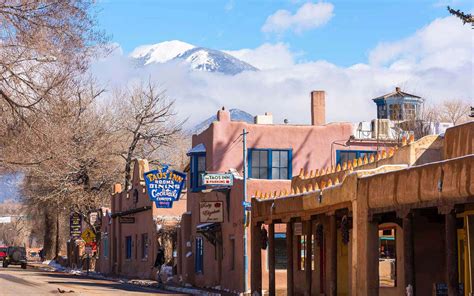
[[270, 164], [128, 247], [280, 251], [382, 111], [144, 245], [346, 155], [198, 167], [387, 257], [395, 112], [410, 112], [199, 258], [232, 254]]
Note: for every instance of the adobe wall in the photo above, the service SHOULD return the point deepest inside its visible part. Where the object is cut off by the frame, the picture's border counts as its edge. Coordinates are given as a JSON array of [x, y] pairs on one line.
[[459, 140]]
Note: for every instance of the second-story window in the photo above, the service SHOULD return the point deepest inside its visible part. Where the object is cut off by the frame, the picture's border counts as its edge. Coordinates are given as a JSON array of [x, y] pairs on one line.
[[270, 164], [198, 167]]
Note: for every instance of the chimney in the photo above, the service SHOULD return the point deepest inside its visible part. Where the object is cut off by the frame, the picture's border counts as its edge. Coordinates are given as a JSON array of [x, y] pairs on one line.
[[397, 89], [318, 107], [223, 115]]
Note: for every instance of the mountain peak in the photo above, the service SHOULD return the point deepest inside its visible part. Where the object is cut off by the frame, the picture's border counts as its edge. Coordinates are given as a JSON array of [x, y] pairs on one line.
[[212, 60], [160, 52]]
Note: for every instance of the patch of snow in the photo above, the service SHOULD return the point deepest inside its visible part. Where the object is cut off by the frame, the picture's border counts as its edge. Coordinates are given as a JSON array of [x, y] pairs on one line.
[[160, 52]]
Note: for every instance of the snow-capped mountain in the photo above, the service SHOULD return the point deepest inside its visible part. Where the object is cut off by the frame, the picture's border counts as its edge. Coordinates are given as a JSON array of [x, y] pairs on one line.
[[212, 60], [198, 58], [160, 52], [235, 115]]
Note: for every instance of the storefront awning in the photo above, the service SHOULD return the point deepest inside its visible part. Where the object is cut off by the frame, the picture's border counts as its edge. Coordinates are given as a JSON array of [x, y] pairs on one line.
[[211, 231]]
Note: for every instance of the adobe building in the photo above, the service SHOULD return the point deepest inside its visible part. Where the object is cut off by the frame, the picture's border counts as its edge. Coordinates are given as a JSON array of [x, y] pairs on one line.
[[135, 228], [211, 254], [399, 223]]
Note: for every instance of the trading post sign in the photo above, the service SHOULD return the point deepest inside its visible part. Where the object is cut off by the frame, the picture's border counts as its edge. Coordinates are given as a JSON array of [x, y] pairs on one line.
[[75, 226], [211, 211], [218, 179], [164, 186]]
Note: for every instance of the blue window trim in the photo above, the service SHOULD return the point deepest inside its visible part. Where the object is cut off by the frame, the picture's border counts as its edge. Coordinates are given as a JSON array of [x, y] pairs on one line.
[[194, 177], [358, 153], [128, 247], [269, 164]]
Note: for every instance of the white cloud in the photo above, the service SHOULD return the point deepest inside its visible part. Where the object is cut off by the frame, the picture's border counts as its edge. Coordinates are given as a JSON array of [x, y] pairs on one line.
[[435, 68], [308, 16], [267, 56]]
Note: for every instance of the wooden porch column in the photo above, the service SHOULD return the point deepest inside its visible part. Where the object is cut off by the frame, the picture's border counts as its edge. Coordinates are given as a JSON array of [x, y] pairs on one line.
[[289, 258], [332, 250], [256, 260], [409, 252], [309, 257], [271, 259], [451, 254]]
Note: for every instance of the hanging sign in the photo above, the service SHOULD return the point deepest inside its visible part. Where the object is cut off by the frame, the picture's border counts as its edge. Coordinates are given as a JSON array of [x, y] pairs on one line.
[[164, 186], [75, 226], [218, 179], [211, 211], [247, 205], [298, 228]]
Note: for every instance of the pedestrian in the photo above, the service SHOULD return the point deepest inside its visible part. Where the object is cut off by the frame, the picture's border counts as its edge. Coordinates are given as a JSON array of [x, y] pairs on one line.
[[41, 254], [160, 259]]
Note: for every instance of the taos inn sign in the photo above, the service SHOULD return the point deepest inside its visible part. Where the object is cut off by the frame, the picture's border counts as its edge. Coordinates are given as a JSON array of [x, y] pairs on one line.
[[217, 179], [164, 186]]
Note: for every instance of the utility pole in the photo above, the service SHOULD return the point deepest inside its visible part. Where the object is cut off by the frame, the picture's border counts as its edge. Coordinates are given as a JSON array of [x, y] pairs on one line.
[[246, 258]]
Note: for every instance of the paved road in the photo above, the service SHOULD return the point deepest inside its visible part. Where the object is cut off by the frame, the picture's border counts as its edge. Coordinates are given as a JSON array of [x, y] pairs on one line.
[[16, 281]]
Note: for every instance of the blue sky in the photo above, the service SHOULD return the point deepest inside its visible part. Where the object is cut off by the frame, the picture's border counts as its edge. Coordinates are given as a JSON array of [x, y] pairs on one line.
[[355, 28]]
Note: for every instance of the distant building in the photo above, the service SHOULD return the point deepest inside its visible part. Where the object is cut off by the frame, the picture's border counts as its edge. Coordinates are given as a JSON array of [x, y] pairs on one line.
[[398, 105]]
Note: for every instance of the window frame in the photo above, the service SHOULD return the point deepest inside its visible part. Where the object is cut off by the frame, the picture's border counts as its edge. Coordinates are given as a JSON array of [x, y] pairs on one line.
[[358, 154], [270, 163], [194, 180], [128, 247]]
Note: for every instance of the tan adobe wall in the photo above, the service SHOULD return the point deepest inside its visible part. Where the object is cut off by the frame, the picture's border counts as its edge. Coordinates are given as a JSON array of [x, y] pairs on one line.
[[459, 140]]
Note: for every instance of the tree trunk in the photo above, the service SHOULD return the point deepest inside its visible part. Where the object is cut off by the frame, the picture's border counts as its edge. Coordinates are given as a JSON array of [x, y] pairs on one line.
[[49, 233]]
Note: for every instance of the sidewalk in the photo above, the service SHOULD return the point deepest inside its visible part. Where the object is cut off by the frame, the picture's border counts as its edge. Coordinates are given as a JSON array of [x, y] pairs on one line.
[[54, 267]]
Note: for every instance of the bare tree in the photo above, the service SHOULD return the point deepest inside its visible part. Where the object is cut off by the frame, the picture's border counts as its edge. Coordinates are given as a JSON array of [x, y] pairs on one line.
[[454, 111], [147, 123], [43, 44]]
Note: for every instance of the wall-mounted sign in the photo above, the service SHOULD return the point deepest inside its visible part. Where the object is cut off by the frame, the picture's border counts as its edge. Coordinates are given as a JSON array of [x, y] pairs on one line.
[[164, 186], [126, 220], [211, 211], [247, 205], [75, 226], [297, 228], [218, 179]]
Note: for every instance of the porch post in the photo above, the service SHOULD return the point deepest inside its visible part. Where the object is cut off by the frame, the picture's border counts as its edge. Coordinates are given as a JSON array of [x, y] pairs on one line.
[[256, 260], [309, 257], [289, 258], [451, 254], [408, 251], [271, 259], [332, 249]]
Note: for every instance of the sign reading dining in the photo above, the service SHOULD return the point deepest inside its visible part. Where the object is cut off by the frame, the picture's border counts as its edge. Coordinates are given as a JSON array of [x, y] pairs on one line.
[[211, 211], [164, 186]]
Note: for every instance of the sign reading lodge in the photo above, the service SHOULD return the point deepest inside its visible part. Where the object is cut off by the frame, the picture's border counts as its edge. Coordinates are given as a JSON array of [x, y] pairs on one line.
[[218, 179], [211, 211], [164, 186]]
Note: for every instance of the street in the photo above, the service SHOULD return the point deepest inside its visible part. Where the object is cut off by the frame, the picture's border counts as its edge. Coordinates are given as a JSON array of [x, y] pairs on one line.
[[16, 281]]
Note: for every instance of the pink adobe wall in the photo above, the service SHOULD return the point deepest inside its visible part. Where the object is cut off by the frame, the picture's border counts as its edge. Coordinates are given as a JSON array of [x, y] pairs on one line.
[[311, 144]]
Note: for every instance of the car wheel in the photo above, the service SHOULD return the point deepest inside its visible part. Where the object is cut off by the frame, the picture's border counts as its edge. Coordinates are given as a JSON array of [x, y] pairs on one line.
[[5, 264], [23, 266]]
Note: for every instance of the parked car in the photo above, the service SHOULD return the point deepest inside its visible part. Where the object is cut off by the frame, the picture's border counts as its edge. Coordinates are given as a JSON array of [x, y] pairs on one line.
[[15, 256], [3, 252]]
